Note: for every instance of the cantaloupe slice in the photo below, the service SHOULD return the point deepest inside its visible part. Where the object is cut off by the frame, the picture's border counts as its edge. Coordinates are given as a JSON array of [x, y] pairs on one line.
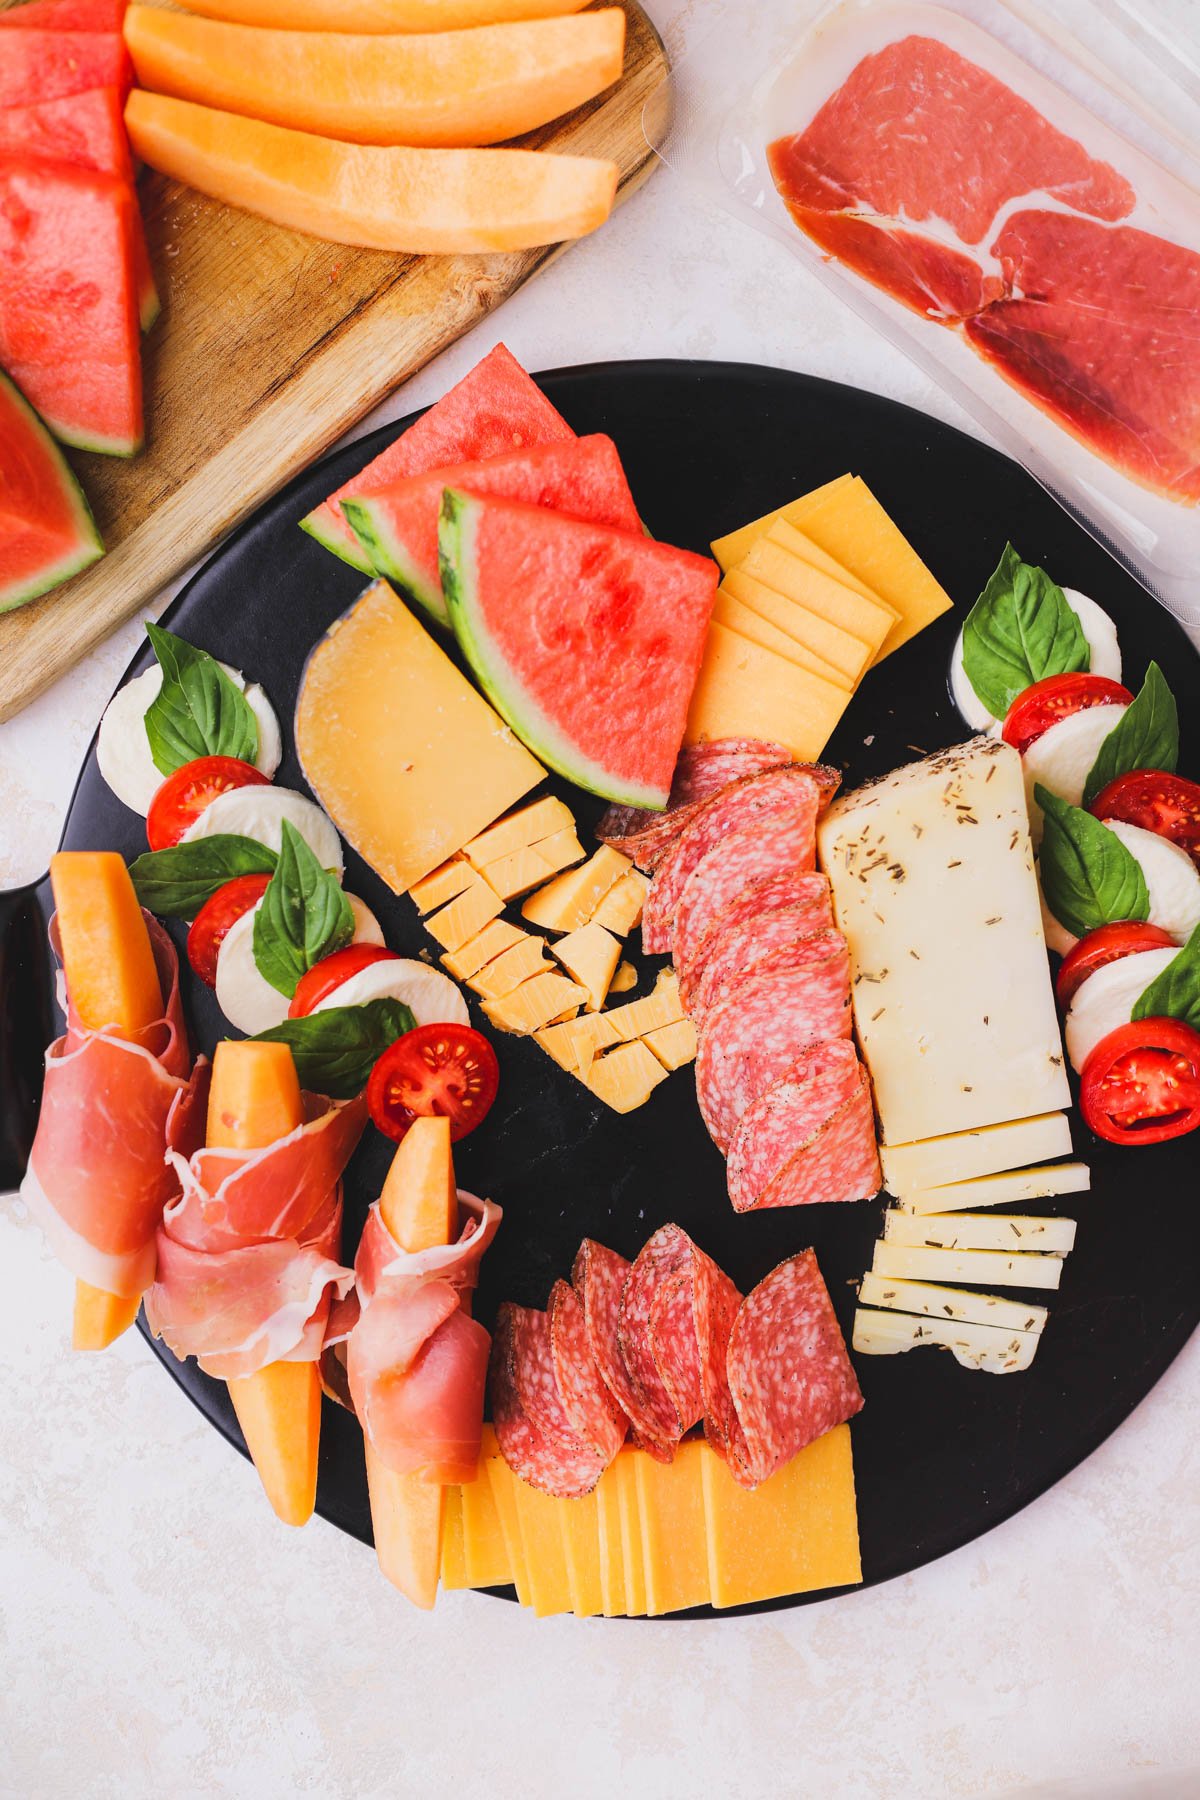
[[112, 979], [421, 202], [379, 15], [255, 1100], [445, 88]]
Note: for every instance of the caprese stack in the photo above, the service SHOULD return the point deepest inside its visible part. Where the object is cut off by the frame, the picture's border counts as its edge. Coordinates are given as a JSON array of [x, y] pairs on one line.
[[1119, 835]]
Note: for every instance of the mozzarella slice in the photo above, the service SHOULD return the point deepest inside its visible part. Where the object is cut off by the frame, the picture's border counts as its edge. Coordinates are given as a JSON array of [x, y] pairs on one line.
[[248, 1002], [123, 749], [1103, 649], [432, 996], [259, 813], [367, 929], [1107, 999], [1171, 878], [1062, 758], [1058, 938]]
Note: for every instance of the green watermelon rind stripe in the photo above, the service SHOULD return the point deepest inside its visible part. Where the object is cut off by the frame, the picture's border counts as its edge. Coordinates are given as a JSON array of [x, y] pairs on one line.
[[348, 548], [389, 558], [536, 731], [88, 547]]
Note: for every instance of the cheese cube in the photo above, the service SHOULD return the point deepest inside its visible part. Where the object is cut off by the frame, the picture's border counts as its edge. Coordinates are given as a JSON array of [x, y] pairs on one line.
[[794, 1534], [951, 1303], [1022, 1268], [534, 1004], [621, 908], [762, 628], [541, 819], [496, 937], [979, 1231], [624, 979], [454, 1566], [570, 900], [1002, 1190], [510, 969], [817, 626], [933, 884], [503, 1484], [745, 691], [731, 549], [523, 869], [673, 1529], [626, 1077], [963, 1155], [485, 1555], [575, 1046], [674, 1045], [631, 1531], [984, 1347], [407, 758], [456, 924], [652, 1012], [545, 1555], [612, 1555], [580, 1525], [590, 956], [447, 883]]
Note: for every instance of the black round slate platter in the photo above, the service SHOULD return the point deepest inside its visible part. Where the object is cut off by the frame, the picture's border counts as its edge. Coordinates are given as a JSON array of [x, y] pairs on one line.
[[941, 1453]]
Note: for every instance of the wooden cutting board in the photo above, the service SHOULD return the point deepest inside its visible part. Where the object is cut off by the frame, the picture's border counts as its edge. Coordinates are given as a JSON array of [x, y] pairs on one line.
[[269, 347]]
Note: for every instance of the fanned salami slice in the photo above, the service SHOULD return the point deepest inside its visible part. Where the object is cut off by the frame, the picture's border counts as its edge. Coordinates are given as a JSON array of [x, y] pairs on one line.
[[591, 1411], [563, 1466], [756, 945], [784, 847], [654, 1416], [752, 804], [818, 1125], [716, 1302], [788, 1369], [598, 1277], [801, 888], [534, 1372], [752, 1039], [701, 772], [675, 1347]]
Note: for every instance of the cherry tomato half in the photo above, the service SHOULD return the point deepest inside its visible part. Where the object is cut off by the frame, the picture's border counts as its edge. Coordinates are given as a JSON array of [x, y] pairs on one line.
[[1167, 804], [212, 923], [1107, 944], [1141, 1084], [1056, 698], [331, 971], [184, 795], [438, 1071]]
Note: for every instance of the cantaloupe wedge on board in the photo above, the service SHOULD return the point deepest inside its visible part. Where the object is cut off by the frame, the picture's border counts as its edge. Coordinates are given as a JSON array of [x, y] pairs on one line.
[[379, 15], [419, 1205], [442, 88], [418, 202], [254, 1100], [108, 962]]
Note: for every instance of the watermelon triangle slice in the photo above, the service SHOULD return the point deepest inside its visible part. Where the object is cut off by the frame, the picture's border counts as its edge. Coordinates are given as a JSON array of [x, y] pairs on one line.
[[587, 640], [47, 533], [68, 308], [398, 527], [49, 64], [495, 409]]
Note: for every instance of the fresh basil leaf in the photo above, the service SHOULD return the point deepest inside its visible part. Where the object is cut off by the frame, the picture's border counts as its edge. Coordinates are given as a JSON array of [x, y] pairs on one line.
[[1175, 994], [1020, 630], [175, 883], [1089, 878], [304, 915], [1146, 736], [336, 1050], [198, 711]]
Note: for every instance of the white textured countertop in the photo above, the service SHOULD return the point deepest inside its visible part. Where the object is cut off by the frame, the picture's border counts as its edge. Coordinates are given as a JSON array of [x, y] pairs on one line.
[[162, 1635]]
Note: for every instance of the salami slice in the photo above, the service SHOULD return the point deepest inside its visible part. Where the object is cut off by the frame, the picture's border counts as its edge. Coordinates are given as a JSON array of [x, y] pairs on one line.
[[782, 848], [840, 1161], [599, 1278], [786, 1121], [739, 951], [716, 1302], [788, 1369], [752, 1039], [808, 888], [654, 1413], [591, 1411], [563, 1466], [701, 772], [751, 804], [675, 1347]]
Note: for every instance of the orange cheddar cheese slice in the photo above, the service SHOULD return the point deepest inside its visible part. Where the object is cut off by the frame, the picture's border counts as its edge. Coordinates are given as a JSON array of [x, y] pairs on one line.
[[612, 1553], [503, 1484], [631, 1530], [827, 597], [674, 1531], [762, 629], [745, 691], [407, 758], [454, 1556], [485, 1553], [730, 550], [846, 654], [580, 1523], [794, 1534], [539, 1521]]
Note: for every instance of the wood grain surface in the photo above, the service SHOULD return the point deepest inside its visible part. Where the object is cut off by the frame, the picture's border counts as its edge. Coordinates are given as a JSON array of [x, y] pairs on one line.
[[269, 347]]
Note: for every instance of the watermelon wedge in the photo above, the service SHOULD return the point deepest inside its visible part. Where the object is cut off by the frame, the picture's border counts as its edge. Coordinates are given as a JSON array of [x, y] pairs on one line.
[[68, 307], [68, 15], [587, 640], [47, 533], [398, 527], [495, 409], [50, 64]]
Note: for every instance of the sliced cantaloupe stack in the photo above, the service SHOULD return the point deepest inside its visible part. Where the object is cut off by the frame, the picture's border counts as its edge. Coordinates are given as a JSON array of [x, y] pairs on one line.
[[108, 962], [445, 89], [380, 15], [441, 202]]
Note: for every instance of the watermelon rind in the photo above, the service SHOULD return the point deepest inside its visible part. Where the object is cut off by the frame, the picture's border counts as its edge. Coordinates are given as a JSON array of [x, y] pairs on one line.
[[347, 548], [88, 546], [388, 557], [539, 733], [100, 446]]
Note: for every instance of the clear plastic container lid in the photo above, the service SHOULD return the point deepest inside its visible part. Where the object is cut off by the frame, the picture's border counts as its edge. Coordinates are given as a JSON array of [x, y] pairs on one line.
[[1006, 208]]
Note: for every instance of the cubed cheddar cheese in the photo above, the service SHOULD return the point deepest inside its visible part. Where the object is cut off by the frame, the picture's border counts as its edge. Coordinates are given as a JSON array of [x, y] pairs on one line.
[[794, 1534], [625, 1078], [732, 549], [845, 654], [579, 1520], [405, 755], [521, 870], [673, 1529], [570, 900], [456, 924], [540, 819], [485, 1555], [624, 979], [745, 691], [507, 971], [496, 937], [534, 1004], [590, 956], [575, 1045], [621, 908], [763, 628], [674, 1045], [447, 883]]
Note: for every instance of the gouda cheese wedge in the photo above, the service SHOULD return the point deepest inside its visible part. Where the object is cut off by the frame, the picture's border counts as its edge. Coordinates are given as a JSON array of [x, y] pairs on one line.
[[731, 549], [447, 883], [509, 970], [674, 1045], [541, 819], [846, 654], [626, 1077], [621, 908], [795, 1533], [673, 1526], [456, 924], [570, 900], [590, 956], [496, 937], [523, 869], [764, 629], [745, 691], [534, 1004]]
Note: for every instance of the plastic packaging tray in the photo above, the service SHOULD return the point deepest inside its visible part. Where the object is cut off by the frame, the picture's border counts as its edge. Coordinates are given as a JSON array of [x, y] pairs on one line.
[[764, 72]]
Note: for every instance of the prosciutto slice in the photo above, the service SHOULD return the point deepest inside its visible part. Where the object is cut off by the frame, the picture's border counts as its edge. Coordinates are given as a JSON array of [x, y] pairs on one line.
[[98, 1176], [249, 1252], [416, 1360]]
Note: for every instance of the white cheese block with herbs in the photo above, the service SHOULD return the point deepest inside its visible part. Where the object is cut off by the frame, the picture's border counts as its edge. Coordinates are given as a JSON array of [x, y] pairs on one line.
[[995, 1268], [934, 887], [984, 1347], [965, 1155], [1037, 1183], [979, 1231], [908, 1296]]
